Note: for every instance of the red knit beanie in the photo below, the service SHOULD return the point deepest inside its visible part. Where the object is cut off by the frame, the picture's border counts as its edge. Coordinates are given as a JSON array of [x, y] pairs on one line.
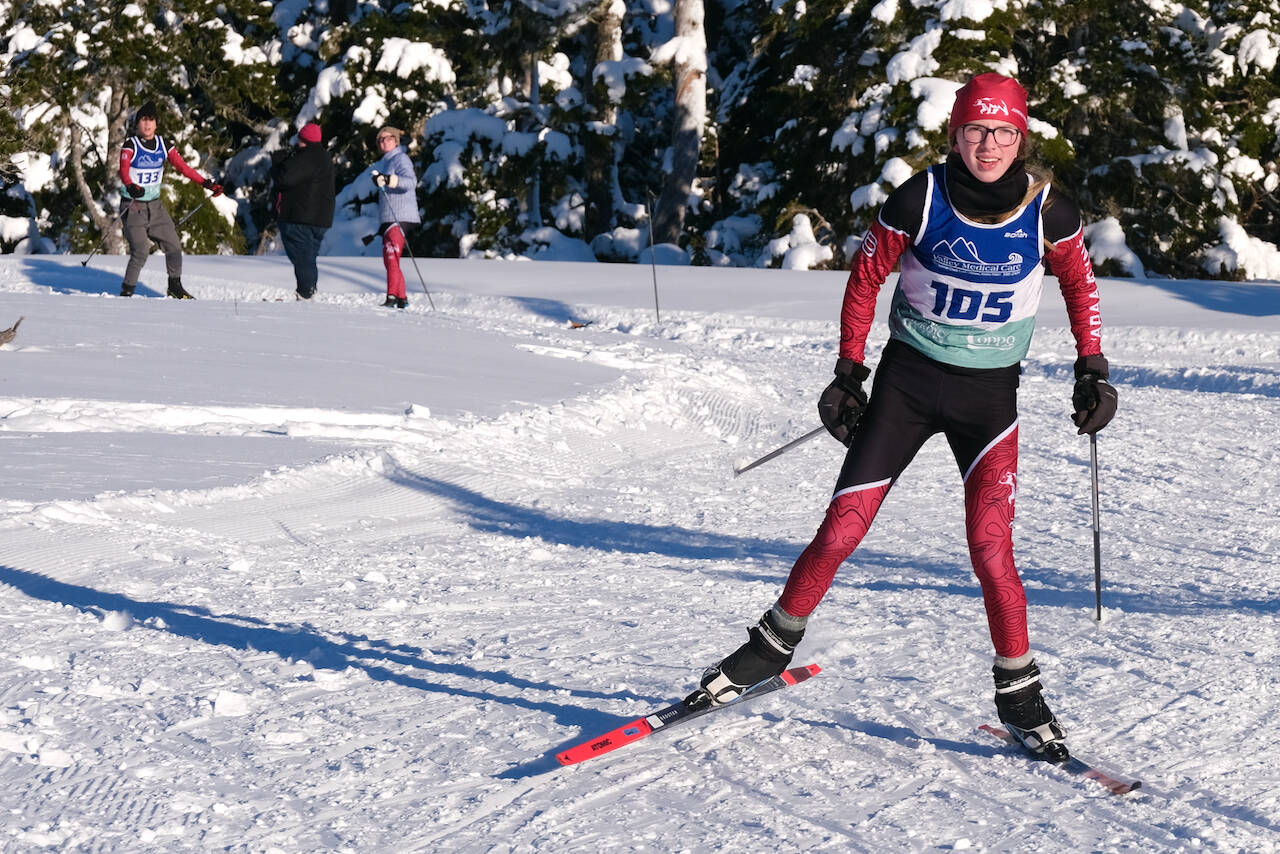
[[991, 96], [310, 133]]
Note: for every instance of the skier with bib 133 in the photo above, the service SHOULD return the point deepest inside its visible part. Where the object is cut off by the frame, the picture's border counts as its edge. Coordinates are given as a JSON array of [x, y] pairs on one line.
[[970, 236], [142, 161]]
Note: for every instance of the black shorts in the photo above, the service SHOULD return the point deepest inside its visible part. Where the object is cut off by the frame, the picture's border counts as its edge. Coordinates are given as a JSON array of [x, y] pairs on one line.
[[912, 398]]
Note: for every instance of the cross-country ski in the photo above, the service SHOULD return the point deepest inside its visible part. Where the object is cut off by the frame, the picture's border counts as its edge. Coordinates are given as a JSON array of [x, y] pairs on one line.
[[1073, 765], [677, 713]]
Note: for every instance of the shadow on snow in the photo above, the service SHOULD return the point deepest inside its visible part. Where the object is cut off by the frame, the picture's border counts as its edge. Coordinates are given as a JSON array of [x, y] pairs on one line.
[[304, 642], [1054, 588], [496, 517], [1252, 299], [67, 279]]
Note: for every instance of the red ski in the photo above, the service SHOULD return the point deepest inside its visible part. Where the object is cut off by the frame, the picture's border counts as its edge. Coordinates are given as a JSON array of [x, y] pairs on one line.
[[1072, 765], [676, 714]]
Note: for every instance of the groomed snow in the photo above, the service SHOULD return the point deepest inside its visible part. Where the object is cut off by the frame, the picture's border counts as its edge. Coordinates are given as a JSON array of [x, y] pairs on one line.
[[287, 577]]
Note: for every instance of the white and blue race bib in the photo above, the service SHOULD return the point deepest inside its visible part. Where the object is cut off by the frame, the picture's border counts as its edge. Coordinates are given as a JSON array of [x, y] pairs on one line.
[[968, 291], [146, 169]]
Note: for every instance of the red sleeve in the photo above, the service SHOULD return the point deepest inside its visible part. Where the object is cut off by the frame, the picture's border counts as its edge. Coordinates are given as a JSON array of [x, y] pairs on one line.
[[181, 165], [1069, 261], [881, 247], [126, 160]]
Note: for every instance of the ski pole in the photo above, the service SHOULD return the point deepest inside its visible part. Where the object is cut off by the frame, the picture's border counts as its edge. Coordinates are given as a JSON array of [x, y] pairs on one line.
[[193, 212], [1097, 526], [105, 233], [430, 301], [737, 470]]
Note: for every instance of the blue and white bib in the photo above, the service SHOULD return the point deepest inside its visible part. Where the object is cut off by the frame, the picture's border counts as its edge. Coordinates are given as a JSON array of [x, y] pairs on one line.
[[968, 292], [146, 169]]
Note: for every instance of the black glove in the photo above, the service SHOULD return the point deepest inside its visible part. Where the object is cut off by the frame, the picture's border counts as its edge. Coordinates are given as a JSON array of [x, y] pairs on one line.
[[213, 187], [383, 180], [842, 403], [1094, 399], [135, 191]]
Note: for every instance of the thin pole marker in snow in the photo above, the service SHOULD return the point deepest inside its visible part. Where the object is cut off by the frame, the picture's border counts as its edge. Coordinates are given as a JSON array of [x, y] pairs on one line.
[[1097, 525], [653, 259]]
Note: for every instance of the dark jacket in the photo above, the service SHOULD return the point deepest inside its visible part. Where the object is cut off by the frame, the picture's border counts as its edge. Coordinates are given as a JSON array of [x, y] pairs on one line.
[[304, 182]]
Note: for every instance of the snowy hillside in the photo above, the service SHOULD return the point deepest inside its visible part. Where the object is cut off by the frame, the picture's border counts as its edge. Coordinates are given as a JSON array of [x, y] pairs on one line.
[[324, 576]]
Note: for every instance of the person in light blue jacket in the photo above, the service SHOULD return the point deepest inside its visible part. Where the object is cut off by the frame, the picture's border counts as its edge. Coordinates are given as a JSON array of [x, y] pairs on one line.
[[397, 209]]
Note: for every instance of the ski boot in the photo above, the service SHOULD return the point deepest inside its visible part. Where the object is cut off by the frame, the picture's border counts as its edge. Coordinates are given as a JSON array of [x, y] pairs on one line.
[[176, 290], [767, 653], [126, 289], [1025, 713]]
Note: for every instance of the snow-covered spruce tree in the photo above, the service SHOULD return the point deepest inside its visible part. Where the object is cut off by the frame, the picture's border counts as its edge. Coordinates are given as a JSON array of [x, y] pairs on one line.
[[1242, 124], [833, 105], [618, 97], [637, 85], [356, 67], [506, 168], [228, 99], [781, 85], [687, 52], [1172, 111], [1148, 145], [1093, 70], [19, 230], [1153, 114], [82, 70], [603, 35], [72, 103]]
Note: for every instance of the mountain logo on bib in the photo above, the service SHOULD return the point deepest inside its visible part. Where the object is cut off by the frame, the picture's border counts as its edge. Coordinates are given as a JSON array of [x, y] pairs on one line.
[[961, 256]]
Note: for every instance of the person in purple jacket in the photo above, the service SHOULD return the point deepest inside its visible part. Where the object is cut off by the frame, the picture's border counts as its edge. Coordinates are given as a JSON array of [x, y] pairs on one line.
[[397, 209]]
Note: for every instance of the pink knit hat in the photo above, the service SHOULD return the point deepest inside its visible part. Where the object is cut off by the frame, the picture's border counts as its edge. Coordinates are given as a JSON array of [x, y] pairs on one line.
[[310, 133], [991, 96]]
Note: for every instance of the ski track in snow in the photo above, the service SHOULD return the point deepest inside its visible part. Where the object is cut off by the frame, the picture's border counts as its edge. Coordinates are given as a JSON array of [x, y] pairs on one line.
[[383, 648]]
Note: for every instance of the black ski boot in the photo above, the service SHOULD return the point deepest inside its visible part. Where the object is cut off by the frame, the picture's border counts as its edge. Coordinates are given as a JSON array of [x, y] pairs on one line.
[[766, 654], [126, 290], [176, 290], [1025, 713], [390, 303]]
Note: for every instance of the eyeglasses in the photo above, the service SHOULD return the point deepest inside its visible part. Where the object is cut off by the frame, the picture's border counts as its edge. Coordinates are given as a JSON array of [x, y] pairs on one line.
[[977, 134], [393, 139]]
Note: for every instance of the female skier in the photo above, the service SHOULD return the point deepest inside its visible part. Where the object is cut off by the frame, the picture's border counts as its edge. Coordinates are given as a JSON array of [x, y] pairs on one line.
[[397, 209], [971, 236]]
